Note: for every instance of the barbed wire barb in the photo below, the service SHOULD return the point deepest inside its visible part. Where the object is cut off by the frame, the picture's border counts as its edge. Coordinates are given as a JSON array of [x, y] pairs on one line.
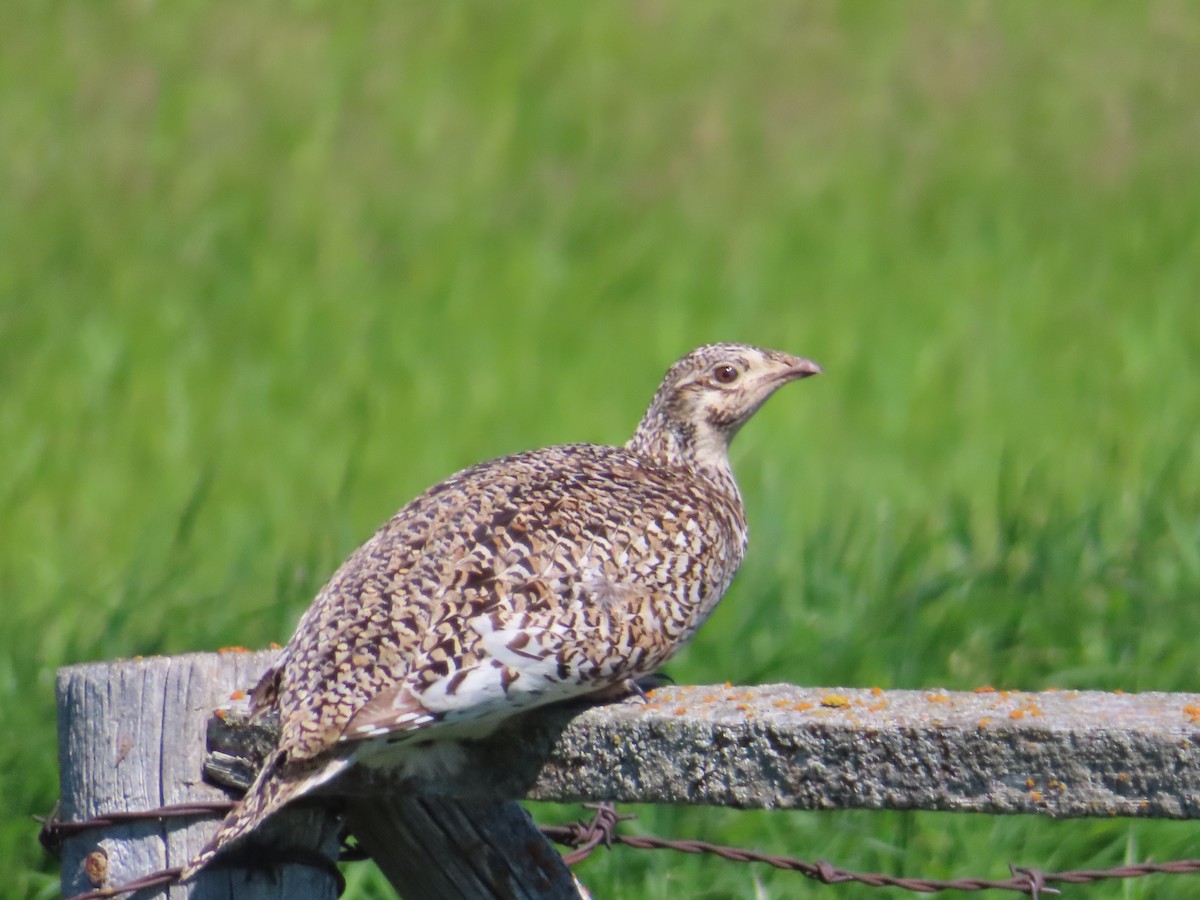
[[585, 835]]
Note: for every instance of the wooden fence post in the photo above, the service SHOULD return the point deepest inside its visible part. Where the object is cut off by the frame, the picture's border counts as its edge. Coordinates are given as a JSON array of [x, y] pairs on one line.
[[442, 848], [443, 839], [131, 738]]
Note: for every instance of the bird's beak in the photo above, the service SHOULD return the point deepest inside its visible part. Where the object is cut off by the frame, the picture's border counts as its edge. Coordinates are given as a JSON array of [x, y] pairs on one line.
[[800, 368]]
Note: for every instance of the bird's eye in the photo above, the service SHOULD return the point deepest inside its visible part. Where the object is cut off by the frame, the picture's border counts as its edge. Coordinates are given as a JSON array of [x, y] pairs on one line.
[[725, 373]]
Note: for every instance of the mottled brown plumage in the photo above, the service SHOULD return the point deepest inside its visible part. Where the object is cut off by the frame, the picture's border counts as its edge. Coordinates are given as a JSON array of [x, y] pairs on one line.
[[528, 579]]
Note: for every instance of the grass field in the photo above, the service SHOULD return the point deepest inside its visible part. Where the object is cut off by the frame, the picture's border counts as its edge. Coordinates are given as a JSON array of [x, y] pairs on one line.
[[270, 270]]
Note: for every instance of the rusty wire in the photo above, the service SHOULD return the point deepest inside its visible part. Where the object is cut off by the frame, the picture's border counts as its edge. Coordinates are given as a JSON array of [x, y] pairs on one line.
[[586, 835], [54, 830]]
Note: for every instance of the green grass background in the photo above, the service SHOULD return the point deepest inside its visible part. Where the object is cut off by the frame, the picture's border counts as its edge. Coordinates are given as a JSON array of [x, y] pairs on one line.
[[269, 270]]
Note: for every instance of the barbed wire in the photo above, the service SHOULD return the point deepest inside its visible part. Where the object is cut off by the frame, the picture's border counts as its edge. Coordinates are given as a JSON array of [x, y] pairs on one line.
[[587, 835]]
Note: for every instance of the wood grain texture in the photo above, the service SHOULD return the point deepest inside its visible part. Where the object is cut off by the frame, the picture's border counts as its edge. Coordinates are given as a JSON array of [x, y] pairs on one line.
[[439, 848], [132, 738], [1055, 753]]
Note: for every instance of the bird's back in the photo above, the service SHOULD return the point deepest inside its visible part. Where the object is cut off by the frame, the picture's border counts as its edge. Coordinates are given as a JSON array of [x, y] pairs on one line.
[[516, 582]]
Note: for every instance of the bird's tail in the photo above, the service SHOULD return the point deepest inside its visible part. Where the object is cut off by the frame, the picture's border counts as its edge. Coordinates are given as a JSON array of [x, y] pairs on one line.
[[278, 783]]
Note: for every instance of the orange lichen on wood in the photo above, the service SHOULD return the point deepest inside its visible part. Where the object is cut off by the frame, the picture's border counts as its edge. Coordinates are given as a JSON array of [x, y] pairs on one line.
[[1029, 709], [835, 701]]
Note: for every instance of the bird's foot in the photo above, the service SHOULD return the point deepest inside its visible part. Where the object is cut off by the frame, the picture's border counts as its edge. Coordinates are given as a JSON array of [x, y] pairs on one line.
[[635, 687]]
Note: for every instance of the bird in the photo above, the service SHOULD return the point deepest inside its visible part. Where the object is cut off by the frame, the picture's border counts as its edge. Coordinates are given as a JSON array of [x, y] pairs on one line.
[[551, 574]]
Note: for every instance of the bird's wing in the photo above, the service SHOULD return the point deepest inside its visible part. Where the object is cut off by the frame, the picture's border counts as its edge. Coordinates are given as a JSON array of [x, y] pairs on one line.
[[524, 660], [521, 583]]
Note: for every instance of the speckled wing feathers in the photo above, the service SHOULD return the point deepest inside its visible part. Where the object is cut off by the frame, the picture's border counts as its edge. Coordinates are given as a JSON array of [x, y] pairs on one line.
[[529, 578]]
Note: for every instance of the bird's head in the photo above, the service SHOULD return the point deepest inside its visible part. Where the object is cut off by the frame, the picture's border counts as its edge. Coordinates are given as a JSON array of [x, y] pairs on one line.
[[707, 396]]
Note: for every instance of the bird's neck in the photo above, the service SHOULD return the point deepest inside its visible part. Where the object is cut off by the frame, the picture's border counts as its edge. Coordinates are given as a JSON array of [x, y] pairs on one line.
[[698, 448]]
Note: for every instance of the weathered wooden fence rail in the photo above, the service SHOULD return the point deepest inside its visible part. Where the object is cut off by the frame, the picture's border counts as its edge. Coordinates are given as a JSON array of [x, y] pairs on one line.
[[132, 737]]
